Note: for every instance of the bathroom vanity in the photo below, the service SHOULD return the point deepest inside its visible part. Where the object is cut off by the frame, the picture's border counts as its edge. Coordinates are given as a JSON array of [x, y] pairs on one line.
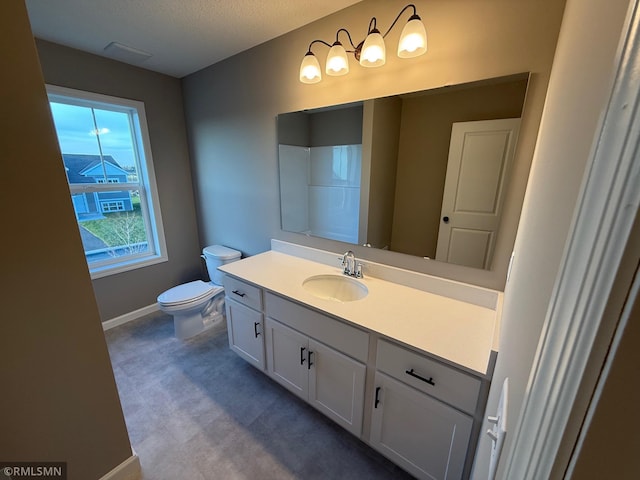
[[402, 368]]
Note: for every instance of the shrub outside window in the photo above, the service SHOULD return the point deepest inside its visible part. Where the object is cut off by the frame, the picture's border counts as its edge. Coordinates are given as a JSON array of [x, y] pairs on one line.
[[107, 159]]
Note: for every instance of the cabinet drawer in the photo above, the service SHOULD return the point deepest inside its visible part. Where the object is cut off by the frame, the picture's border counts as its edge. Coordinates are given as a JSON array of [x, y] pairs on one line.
[[339, 335], [242, 292], [438, 380]]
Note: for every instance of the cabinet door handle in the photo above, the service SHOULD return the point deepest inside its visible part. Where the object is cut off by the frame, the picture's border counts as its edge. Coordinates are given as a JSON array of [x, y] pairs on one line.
[[239, 293], [420, 377], [309, 353], [255, 328], [375, 404], [302, 349]]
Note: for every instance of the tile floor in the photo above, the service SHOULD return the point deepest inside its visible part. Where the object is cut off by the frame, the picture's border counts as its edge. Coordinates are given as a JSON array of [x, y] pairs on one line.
[[195, 411]]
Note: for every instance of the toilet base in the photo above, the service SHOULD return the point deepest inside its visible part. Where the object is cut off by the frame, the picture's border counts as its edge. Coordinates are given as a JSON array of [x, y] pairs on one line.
[[187, 326]]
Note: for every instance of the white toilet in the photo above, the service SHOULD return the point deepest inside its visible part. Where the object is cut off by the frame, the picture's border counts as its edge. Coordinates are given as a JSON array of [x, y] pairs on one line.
[[198, 306]]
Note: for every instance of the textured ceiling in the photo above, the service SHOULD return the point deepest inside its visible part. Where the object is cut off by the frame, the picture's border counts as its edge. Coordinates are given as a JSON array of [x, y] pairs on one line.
[[182, 36]]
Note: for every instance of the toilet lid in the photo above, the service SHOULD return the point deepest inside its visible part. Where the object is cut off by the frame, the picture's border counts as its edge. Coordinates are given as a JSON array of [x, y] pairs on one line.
[[221, 252], [188, 292]]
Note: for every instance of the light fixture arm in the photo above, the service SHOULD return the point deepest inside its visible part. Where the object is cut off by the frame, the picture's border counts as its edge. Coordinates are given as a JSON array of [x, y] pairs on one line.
[[372, 22], [415, 15], [309, 52], [348, 35]]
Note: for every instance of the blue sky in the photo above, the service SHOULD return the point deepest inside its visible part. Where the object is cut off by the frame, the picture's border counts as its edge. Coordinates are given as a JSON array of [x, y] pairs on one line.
[[77, 132]]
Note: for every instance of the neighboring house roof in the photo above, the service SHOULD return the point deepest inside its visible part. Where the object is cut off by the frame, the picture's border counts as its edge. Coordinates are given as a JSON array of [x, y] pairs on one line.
[[77, 165]]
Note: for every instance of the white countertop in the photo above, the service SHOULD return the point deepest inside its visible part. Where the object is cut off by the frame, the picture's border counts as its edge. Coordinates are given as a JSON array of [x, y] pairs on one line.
[[456, 331]]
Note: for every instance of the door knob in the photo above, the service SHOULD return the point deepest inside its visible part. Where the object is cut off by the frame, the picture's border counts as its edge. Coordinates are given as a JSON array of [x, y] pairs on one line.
[[445, 219]]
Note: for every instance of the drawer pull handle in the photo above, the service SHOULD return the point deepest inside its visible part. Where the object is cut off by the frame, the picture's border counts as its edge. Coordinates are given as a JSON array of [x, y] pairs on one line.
[[239, 293], [375, 404], [302, 349], [420, 377], [255, 328], [309, 353]]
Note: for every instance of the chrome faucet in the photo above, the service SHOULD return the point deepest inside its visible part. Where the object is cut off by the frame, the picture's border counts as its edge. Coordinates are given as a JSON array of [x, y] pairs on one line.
[[350, 266]]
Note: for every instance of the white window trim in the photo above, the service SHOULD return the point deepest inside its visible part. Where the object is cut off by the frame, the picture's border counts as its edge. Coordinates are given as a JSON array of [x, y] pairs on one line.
[[147, 174]]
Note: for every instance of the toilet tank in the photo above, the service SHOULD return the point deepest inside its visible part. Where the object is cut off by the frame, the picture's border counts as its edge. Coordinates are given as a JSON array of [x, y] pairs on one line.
[[216, 255]]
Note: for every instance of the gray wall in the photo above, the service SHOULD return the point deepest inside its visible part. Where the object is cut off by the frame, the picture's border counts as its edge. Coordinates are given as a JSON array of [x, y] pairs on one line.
[[59, 400], [342, 126], [381, 145], [162, 97], [293, 129], [231, 110]]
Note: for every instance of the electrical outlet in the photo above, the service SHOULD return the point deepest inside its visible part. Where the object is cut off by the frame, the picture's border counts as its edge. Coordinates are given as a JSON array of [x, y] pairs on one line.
[[498, 429]]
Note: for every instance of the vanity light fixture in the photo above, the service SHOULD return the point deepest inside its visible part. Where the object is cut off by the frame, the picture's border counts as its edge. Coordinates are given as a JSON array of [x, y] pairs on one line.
[[370, 52]]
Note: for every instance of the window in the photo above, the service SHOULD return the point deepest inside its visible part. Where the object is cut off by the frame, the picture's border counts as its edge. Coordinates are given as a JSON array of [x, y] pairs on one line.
[[113, 206], [107, 160]]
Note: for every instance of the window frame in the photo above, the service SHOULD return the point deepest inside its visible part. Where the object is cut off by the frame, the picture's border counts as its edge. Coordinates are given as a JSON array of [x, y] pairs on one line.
[[146, 186]]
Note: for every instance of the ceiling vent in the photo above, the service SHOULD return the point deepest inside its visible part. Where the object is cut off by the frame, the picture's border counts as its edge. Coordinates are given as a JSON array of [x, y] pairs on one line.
[[121, 52]]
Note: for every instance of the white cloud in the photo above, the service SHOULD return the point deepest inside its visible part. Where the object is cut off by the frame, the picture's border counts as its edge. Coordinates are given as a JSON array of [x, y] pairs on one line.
[[99, 131]]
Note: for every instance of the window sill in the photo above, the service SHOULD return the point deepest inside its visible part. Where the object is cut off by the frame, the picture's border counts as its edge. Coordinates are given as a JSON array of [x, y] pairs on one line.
[[125, 266]]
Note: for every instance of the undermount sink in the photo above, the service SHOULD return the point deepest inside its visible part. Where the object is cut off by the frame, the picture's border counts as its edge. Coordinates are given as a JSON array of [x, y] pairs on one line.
[[335, 287]]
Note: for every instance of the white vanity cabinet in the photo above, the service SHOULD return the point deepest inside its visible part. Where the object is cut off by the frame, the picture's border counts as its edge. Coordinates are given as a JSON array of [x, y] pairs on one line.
[[375, 367], [245, 324], [330, 380], [422, 415]]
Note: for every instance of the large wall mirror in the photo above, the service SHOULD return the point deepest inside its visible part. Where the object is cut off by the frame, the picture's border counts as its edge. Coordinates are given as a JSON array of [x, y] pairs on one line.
[[423, 173]]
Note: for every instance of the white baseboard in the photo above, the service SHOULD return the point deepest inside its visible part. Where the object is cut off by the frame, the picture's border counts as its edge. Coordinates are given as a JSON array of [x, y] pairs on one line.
[[127, 317], [127, 470]]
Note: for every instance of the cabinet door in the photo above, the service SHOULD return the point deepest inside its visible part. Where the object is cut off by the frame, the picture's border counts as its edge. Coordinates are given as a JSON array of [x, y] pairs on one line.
[[336, 386], [423, 435], [245, 329], [287, 357]]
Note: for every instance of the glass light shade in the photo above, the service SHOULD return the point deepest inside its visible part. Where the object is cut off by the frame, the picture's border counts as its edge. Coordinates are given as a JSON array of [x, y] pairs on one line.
[[373, 51], [337, 61], [413, 40], [310, 69]]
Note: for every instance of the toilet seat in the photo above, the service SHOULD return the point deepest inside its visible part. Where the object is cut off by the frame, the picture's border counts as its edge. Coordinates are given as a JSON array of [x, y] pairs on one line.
[[188, 293]]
